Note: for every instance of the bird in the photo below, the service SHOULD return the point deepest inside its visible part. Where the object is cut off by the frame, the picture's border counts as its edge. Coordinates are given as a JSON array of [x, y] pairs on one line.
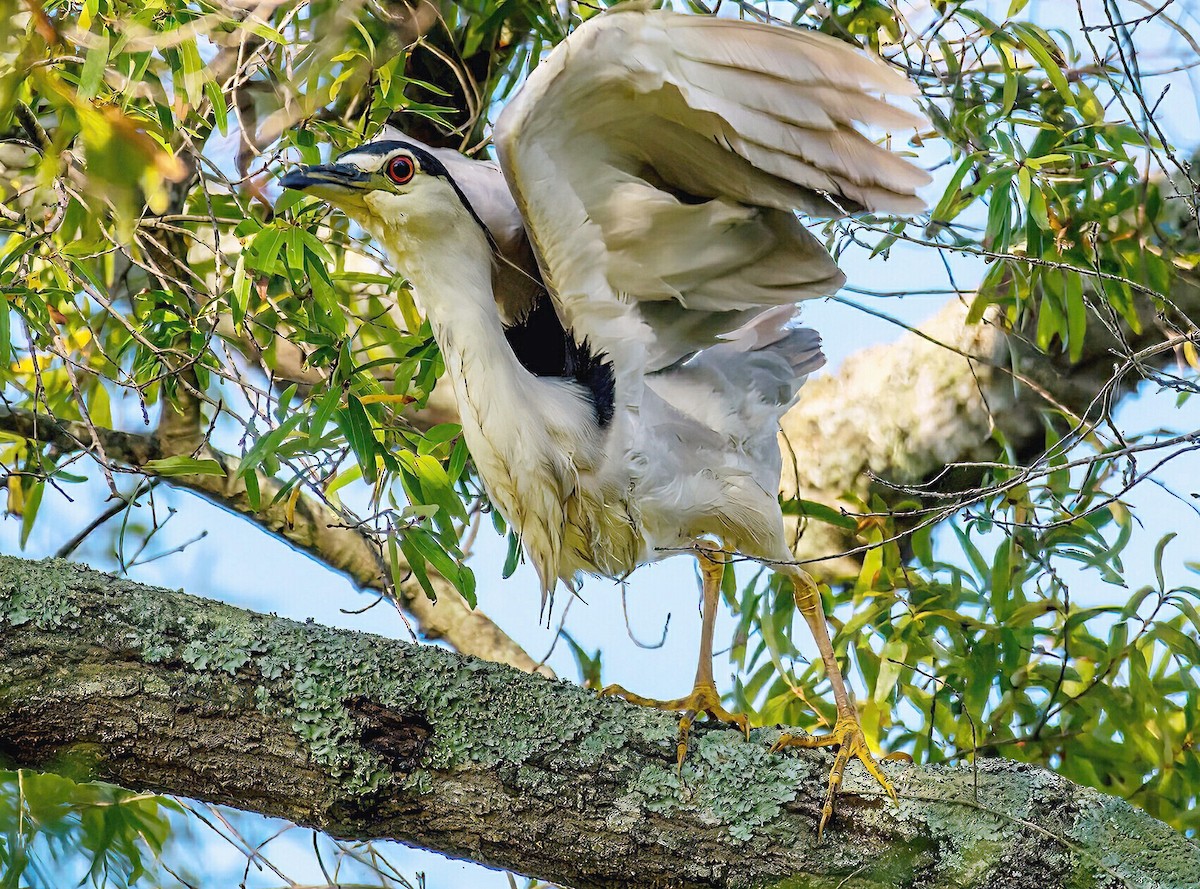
[[615, 298]]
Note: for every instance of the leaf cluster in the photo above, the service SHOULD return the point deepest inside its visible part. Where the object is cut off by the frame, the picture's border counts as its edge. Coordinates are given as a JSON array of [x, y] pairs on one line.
[[54, 831], [1010, 632]]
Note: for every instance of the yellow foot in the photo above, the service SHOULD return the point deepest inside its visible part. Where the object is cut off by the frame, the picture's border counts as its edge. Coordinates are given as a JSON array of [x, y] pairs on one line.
[[847, 736], [703, 699]]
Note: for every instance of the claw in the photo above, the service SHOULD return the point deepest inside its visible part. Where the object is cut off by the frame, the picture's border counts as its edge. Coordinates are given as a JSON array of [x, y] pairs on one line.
[[847, 736], [703, 699]]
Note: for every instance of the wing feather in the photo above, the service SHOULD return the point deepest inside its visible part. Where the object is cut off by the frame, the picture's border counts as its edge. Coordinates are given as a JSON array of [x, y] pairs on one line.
[[658, 159], [772, 94]]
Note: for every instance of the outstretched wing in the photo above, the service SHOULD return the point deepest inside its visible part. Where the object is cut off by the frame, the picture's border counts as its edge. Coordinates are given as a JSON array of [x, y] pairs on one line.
[[658, 158]]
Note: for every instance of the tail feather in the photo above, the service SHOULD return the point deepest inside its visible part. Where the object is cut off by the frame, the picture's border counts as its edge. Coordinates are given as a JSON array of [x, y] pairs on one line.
[[768, 356], [744, 384]]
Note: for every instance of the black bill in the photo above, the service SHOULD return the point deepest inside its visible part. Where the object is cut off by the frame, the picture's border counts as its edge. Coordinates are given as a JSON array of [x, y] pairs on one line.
[[325, 175]]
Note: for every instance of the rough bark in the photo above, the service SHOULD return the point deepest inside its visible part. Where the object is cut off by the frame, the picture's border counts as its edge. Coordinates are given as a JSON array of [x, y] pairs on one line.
[[368, 737], [905, 411], [308, 525]]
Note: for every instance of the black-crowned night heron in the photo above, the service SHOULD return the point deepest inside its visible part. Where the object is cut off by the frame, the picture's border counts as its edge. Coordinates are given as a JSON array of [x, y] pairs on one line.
[[621, 393]]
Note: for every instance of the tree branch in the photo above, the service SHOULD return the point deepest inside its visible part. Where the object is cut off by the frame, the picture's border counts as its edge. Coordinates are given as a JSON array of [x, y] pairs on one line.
[[907, 410], [311, 527], [367, 737]]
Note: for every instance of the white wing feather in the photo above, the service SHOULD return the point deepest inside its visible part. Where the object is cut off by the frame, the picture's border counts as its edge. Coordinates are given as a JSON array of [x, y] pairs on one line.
[[657, 159]]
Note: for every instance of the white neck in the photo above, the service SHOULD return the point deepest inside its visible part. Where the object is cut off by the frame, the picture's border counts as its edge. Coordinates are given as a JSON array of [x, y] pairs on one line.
[[447, 258]]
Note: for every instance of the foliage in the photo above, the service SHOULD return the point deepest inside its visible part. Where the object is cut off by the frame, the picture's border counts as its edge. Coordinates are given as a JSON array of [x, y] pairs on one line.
[[961, 622], [981, 651], [48, 823], [138, 276], [147, 267]]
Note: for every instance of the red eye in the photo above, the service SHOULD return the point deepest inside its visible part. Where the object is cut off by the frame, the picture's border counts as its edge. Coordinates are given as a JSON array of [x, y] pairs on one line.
[[401, 169]]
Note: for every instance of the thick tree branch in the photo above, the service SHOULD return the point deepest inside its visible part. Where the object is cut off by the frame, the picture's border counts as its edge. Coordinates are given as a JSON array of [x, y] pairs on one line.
[[366, 737], [907, 410], [310, 526]]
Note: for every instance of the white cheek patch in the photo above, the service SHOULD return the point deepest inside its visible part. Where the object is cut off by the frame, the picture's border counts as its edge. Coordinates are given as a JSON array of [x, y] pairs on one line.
[[370, 163], [385, 204], [423, 194], [426, 213]]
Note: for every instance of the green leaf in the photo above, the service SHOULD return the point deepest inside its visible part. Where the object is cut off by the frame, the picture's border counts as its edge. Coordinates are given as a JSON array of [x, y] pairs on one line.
[[264, 250], [466, 585], [183, 465], [1178, 642], [194, 71], [1038, 162], [1000, 212], [262, 453], [294, 250], [811, 509], [416, 563], [219, 107], [5, 331], [1037, 209], [1159, 549], [891, 663], [356, 426], [1046, 53], [92, 73], [1135, 602], [1012, 79], [458, 460], [353, 474], [435, 483], [1049, 323], [253, 496], [1187, 609], [513, 557], [262, 29], [321, 416], [588, 664], [1024, 183], [109, 828], [950, 204], [1076, 314], [33, 502], [283, 408]]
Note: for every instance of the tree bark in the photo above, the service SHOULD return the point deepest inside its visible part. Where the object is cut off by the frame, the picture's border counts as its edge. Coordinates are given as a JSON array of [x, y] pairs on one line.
[[907, 411], [367, 737]]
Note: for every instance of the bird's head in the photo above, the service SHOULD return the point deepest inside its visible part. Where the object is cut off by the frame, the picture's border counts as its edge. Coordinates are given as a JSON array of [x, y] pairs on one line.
[[397, 190]]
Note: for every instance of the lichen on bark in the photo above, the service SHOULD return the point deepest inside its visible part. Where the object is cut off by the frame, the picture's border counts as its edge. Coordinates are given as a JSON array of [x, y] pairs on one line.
[[369, 737]]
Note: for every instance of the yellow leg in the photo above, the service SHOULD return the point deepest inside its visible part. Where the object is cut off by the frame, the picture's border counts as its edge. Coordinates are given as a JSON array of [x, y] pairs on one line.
[[847, 734], [704, 697]]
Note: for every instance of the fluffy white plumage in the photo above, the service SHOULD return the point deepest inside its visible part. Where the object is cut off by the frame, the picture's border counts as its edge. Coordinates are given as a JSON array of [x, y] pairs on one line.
[[656, 160]]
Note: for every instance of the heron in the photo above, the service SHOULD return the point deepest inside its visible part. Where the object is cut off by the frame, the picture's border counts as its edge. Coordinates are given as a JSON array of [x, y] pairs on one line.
[[615, 299]]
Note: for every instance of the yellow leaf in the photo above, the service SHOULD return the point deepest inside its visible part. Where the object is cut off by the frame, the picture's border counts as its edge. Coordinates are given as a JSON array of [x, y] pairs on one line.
[[1190, 355], [289, 512], [99, 406], [386, 398], [16, 496]]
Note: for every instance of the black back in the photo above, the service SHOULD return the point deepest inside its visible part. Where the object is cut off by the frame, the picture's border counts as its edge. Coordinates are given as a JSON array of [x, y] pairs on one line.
[[546, 349]]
